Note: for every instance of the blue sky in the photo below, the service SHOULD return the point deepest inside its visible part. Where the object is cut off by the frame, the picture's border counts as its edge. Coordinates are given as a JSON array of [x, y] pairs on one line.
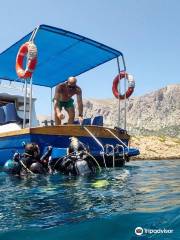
[[146, 31]]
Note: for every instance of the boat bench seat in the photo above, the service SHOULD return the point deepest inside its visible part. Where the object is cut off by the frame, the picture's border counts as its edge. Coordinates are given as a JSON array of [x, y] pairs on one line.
[[86, 121], [2, 116], [8, 114], [97, 121]]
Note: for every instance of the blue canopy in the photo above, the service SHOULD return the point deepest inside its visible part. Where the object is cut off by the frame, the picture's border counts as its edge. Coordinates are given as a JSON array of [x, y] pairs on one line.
[[60, 54]]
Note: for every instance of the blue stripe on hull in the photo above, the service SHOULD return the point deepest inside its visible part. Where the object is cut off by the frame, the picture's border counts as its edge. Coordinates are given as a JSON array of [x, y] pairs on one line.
[[64, 141], [9, 145]]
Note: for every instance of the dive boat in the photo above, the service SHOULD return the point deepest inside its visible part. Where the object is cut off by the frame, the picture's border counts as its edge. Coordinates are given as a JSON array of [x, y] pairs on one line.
[[60, 54]]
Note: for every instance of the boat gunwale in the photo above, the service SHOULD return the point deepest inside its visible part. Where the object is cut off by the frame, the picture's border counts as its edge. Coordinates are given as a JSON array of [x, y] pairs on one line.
[[67, 130]]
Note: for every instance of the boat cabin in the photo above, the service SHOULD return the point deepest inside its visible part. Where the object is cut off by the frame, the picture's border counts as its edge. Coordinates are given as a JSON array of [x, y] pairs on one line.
[[12, 112]]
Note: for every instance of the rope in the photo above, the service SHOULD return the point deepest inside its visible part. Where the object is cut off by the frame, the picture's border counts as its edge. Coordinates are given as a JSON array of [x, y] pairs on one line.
[[27, 169]]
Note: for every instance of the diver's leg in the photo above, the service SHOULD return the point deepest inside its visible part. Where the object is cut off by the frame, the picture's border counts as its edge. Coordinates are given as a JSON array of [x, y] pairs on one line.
[[71, 112]]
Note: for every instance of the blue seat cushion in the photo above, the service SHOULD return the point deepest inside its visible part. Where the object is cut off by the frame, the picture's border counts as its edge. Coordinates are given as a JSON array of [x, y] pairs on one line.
[[2, 116], [11, 113], [98, 121], [86, 121]]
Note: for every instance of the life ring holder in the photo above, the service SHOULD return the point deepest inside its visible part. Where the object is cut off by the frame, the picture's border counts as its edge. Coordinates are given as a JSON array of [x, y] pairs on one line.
[[131, 85], [28, 49]]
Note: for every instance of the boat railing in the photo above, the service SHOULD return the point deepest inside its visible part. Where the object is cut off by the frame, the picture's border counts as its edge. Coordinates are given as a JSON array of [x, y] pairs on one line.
[[122, 143], [99, 143], [46, 123], [118, 151], [110, 151]]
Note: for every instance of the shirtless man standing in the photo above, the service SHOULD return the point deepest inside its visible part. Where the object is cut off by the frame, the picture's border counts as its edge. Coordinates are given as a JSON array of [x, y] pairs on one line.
[[63, 98]]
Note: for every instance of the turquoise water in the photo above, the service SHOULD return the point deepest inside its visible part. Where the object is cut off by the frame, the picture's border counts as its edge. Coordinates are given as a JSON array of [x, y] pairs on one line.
[[108, 206]]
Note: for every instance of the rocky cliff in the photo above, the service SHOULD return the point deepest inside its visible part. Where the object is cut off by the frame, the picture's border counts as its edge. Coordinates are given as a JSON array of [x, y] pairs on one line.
[[155, 148], [156, 113]]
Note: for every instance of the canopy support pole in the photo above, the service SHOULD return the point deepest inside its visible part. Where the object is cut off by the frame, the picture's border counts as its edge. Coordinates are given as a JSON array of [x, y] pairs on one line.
[[33, 34], [25, 98], [51, 105], [125, 99], [30, 104], [30, 96], [119, 90]]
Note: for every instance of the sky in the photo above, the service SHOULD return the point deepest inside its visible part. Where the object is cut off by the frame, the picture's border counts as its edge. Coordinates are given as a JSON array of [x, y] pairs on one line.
[[146, 31]]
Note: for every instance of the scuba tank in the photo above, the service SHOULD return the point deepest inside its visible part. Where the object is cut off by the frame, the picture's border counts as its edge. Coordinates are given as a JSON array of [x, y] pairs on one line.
[[37, 168], [76, 165], [82, 167], [13, 166]]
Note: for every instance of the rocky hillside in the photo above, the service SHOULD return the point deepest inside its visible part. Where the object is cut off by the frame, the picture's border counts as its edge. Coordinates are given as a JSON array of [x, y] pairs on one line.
[[155, 148], [156, 113]]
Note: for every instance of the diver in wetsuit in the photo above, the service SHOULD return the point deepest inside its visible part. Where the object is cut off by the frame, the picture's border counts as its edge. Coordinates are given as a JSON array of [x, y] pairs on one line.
[[29, 162], [31, 159], [76, 162]]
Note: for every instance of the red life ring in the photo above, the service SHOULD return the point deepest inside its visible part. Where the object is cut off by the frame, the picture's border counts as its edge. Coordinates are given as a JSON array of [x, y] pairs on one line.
[[131, 85], [27, 49]]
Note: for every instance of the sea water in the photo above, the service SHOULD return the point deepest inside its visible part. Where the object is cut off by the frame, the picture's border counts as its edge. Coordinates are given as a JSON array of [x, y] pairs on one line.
[[143, 195]]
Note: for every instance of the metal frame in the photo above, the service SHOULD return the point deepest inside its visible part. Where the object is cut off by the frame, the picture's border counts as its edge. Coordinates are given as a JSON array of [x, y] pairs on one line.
[[31, 85], [125, 99], [30, 104], [119, 90], [25, 104], [51, 106]]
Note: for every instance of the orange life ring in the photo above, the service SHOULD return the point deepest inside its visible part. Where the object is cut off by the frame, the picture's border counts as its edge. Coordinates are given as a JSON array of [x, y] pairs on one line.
[[27, 49], [131, 85]]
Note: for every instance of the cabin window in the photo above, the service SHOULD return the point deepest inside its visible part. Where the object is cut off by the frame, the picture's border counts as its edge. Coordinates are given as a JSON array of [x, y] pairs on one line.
[[5, 101]]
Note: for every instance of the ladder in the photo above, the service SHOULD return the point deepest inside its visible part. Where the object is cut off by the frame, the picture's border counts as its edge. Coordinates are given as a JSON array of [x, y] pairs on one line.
[[109, 149]]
